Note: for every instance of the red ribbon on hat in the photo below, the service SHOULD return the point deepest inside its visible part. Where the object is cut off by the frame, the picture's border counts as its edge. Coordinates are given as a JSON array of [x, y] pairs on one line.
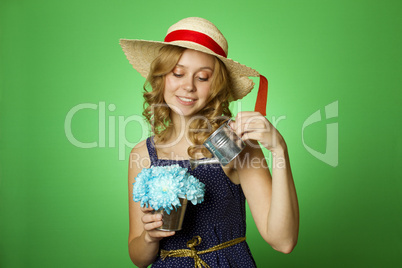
[[208, 42], [262, 96], [196, 37]]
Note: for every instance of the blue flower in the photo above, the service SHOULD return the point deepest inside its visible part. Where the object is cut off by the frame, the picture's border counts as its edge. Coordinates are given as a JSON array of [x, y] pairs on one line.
[[161, 187], [194, 190], [140, 188]]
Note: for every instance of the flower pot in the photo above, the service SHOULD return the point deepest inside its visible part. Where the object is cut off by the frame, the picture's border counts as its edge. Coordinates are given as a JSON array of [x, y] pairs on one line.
[[174, 220]]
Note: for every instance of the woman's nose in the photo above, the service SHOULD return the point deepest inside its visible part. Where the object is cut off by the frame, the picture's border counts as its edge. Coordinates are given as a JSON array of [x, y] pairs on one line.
[[188, 84]]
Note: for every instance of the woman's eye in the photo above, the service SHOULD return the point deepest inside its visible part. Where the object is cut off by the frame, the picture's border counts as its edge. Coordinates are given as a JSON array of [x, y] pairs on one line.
[[204, 79], [177, 75]]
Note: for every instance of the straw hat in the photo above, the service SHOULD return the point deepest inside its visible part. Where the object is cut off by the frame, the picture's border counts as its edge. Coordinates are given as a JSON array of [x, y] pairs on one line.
[[201, 35]]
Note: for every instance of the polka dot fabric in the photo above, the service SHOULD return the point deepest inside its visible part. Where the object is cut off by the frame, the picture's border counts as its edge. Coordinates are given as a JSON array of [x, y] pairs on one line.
[[220, 218]]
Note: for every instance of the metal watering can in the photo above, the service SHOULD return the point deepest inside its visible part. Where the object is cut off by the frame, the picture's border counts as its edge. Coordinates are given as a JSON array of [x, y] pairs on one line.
[[224, 144]]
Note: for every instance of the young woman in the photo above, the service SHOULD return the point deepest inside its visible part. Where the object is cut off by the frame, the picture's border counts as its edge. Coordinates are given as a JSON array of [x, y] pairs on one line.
[[192, 82]]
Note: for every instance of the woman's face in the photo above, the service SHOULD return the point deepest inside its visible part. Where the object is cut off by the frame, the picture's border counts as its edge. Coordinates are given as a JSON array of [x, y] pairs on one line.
[[187, 86]]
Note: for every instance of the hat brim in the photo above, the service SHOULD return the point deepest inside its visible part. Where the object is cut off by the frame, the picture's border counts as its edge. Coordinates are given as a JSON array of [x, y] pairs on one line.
[[141, 53]]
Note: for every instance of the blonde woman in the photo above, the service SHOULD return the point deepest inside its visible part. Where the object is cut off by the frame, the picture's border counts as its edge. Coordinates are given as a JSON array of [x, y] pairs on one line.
[[189, 84]]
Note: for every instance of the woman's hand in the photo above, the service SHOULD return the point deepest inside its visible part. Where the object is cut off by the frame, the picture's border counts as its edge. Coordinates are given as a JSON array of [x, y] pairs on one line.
[[151, 222], [254, 126]]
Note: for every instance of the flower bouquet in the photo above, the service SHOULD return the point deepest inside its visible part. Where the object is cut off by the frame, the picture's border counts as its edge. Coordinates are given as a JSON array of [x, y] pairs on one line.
[[166, 189]]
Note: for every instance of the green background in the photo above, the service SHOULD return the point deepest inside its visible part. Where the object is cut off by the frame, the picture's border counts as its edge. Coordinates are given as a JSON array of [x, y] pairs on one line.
[[65, 206]]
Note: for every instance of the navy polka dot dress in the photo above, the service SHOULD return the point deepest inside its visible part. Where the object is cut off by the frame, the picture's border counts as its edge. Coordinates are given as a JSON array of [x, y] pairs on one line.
[[220, 218]]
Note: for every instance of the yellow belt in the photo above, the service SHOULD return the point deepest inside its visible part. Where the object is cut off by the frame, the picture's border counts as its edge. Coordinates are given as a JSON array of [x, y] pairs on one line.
[[193, 253]]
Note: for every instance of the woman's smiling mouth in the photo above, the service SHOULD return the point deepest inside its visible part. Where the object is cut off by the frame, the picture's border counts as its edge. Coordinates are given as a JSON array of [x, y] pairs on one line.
[[186, 101]]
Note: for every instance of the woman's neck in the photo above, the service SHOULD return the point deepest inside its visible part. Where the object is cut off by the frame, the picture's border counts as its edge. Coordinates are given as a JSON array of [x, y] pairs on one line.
[[179, 126], [176, 142]]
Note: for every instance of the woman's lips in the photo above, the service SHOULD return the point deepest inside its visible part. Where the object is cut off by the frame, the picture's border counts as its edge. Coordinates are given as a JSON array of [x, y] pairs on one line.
[[185, 101]]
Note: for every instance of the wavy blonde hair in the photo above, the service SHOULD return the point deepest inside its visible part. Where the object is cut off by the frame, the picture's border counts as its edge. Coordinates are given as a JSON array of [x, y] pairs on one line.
[[207, 120]]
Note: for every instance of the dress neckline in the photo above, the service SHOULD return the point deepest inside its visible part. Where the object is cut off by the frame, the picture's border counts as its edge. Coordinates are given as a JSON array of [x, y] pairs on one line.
[[154, 155]]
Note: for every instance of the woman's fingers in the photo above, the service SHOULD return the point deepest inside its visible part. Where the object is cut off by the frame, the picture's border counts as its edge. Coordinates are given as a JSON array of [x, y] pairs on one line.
[[250, 122], [254, 126], [160, 234], [149, 217], [151, 223], [156, 235], [146, 209]]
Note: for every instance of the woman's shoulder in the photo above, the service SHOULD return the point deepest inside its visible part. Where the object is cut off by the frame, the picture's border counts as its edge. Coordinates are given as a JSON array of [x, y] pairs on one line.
[[139, 155], [140, 147]]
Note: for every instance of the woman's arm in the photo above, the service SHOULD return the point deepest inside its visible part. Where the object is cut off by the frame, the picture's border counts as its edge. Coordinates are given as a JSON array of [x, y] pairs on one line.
[[272, 199], [143, 239]]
